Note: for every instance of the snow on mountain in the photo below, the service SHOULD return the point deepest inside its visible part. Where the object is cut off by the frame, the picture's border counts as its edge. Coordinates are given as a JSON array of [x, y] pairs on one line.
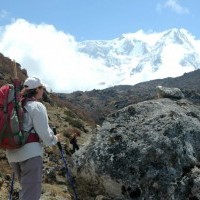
[[138, 57]]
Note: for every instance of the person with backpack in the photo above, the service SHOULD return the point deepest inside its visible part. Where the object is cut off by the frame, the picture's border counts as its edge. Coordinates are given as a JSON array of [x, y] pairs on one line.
[[73, 141], [72, 133], [26, 161]]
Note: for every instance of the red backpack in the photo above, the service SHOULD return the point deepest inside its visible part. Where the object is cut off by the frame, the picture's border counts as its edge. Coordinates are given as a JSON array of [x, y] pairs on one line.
[[12, 135]]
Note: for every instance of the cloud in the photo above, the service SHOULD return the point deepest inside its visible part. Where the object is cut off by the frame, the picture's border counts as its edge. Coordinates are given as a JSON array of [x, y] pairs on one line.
[[52, 55], [173, 5], [150, 37]]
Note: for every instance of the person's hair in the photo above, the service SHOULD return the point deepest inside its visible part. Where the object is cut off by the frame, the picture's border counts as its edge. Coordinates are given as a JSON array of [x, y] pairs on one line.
[[29, 93]]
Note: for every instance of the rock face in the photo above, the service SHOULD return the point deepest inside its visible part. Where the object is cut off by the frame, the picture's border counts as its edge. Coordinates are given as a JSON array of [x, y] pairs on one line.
[[149, 150]]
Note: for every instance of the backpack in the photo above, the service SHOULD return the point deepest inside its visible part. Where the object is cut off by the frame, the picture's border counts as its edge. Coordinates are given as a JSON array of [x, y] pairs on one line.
[[12, 135]]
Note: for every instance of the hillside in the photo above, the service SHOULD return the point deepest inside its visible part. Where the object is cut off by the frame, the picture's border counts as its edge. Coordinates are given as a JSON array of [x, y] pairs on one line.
[[100, 103]]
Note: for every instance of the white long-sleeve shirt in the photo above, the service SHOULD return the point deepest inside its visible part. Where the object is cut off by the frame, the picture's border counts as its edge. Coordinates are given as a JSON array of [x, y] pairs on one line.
[[36, 117]]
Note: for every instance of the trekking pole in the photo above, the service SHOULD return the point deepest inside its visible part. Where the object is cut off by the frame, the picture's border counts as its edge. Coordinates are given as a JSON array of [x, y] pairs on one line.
[[11, 186], [16, 83], [65, 163]]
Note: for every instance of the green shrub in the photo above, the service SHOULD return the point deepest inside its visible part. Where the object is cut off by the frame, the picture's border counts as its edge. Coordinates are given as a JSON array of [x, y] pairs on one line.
[[74, 122], [69, 113]]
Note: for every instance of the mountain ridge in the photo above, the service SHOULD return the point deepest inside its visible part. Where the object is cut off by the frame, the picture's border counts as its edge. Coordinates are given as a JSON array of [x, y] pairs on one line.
[[133, 59], [100, 103]]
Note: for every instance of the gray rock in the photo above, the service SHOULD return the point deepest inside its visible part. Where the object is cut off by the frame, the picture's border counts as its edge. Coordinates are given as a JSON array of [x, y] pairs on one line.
[[148, 150], [165, 92]]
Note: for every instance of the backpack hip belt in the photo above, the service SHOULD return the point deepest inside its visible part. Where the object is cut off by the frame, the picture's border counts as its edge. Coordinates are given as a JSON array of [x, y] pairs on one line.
[[33, 137]]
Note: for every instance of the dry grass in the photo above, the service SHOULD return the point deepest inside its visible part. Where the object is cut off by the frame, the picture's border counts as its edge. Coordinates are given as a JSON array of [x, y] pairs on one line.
[[56, 192]]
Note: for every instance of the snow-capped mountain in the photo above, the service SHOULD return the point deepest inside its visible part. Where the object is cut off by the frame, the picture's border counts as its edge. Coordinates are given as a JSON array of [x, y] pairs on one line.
[[138, 57]]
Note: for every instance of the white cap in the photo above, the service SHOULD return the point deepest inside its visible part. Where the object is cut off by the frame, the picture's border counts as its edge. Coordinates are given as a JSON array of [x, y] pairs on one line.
[[33, 82]]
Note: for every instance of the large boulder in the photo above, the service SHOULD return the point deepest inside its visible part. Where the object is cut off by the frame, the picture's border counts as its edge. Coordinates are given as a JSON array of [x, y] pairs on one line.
[[166, 92], [149, 150]]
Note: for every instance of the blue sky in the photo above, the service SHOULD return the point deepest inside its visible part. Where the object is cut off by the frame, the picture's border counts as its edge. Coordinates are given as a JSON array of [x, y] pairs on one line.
[[105, 19], [43, 35]]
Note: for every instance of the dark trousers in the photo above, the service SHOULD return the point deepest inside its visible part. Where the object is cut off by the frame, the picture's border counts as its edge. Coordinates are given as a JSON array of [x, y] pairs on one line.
[[74, 145]]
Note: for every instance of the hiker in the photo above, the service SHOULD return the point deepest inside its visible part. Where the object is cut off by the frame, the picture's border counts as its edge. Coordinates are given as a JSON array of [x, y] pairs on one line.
[[26, 161], [73, 141], [72, 134]]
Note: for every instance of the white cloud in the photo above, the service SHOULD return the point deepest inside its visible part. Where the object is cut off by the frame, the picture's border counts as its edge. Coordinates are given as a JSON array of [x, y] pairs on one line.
[[173, 5], [149, 37], [52, 56]]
